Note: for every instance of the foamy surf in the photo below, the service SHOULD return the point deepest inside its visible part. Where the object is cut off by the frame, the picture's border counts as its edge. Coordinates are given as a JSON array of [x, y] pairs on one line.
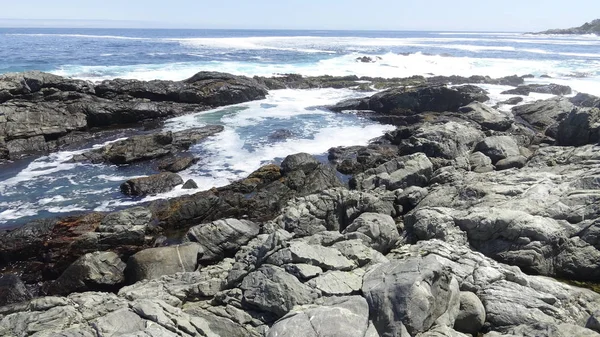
[[247, 143]]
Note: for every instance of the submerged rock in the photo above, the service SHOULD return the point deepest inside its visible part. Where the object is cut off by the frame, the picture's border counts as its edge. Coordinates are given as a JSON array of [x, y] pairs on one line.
[[146, 147], [554, 89], [154, 184]]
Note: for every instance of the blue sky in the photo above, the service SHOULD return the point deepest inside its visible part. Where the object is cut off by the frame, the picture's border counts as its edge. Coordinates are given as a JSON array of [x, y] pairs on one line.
[[468, 15]]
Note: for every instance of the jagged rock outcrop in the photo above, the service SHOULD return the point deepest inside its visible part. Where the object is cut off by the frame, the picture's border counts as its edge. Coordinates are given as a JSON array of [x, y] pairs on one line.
[[41, 112], [592, 27], [553, 89], [154, 184], [145, 147], [222, 237]]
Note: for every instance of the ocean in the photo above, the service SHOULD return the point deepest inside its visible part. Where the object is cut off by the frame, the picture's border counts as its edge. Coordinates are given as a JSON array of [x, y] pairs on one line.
[[52, 186]]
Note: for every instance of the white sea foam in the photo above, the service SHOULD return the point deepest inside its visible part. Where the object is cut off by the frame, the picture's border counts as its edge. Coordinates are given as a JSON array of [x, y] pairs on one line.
[[66, 209], [16, 213], [390, 65], [51, 200]]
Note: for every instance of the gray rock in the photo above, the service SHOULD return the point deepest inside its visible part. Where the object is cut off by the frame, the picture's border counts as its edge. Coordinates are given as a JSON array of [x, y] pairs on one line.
[[580, 127], [222, 237], [300, 161], [227, 320], [301, 252], [511, 162], [381, 229], [442, 331], [586, 100], [480, 163], [190, 184], [498, 148], [434, 223], [12, 290], [410, 197], [154, 262], [117, 323], [593, 323], [551, 330], [410, 296], [154, 184], [553, 89], [471, 315], [512, 101], [332, 210], [358, 251], [510, 297], [303, 271], [273, 290], [181, 287], [448, 139], [338, 283], [146, 147], [542, 114], [334, 317], [177, 164], [411, 170], [92, 272], [487, 117]]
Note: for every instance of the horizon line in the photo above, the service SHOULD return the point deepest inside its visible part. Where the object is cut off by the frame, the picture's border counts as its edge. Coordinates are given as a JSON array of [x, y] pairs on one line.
[[134, 24]]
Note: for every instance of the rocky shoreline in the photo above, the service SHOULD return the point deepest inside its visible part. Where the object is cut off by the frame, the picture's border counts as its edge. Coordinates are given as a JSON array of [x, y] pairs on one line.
[[458, 223], [592, 27]]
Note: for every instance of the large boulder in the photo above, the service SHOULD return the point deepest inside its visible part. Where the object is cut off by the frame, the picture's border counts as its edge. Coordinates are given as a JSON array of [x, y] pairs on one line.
[[327, 258], [299, 161], [154, 184], [447, 139], [273, 290], [335, 317], [12, 290], [154, 262], [99, 271], [580, 127], [511, 298], [471, 315], [544, 113], [332, 210], [402, 172], [410, 296], [498, 148], [487, 117], [417, 100], [378, 230], [222, 237]]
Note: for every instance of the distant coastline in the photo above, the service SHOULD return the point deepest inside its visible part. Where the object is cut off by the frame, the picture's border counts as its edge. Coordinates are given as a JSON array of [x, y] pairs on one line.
[[592, 27]]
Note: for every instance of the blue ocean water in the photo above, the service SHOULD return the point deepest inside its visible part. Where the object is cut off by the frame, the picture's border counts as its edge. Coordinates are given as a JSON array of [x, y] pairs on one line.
[[50, 185]]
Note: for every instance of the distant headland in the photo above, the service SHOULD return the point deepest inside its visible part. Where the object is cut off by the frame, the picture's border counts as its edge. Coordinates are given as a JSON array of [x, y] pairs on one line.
[[592, 27]]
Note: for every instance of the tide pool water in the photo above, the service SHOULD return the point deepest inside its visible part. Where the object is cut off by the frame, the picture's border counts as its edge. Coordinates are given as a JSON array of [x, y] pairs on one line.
[[50, 185]]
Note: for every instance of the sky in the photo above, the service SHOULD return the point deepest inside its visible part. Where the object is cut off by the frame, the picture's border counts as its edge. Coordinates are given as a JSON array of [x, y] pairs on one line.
[[457, 15]]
